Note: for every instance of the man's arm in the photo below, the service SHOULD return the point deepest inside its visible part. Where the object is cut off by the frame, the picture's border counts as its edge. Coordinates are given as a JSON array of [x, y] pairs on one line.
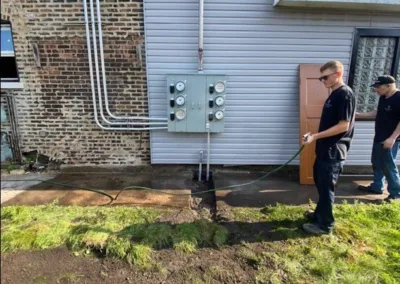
[[341, 127], [371, 114], [388, 143]]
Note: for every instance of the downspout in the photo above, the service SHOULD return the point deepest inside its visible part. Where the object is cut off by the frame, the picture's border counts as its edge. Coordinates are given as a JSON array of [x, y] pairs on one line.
[[92, 81]]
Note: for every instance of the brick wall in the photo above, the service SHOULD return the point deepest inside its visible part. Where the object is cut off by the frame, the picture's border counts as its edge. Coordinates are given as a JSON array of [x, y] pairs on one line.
[[55, 109]]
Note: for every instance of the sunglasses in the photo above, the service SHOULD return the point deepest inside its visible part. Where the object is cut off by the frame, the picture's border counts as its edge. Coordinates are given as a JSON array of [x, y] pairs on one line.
[[324, 78]]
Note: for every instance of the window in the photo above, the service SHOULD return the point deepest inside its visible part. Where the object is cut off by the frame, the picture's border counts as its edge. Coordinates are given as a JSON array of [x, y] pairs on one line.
[[9, 71], [375, 52]]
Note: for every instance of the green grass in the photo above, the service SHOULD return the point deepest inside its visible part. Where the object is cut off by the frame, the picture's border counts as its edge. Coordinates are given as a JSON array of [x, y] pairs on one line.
[[126, 233], [9, 167], [365, 246]]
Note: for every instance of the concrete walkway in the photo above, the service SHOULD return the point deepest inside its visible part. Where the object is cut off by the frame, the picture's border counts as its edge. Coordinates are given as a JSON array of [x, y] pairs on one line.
[[35, 193], [10, 189], [281, 190], [265, 192]]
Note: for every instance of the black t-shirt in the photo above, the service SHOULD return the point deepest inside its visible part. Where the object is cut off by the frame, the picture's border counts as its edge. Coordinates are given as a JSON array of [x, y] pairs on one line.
[[388, 117], [340, 105]]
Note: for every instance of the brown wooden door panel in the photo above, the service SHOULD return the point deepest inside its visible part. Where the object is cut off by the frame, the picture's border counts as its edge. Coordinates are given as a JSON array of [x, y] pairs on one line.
[[312, 98]]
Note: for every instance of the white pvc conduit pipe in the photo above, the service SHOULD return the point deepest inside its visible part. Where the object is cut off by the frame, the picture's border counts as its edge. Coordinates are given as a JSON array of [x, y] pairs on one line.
[[104, 73], [93, 85], [98, 81], [201, 33]]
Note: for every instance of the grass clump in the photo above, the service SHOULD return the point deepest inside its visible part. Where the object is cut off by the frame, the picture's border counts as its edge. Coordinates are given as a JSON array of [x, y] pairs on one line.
[[365, 246], [126, 233]]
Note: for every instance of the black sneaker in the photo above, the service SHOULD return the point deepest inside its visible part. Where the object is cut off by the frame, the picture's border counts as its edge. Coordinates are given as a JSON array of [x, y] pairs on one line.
[[368, 189], [391, 198], [314, 229]]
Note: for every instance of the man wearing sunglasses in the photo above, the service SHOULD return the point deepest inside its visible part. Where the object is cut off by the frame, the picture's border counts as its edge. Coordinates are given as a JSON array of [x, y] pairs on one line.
[[386, 140], [333, 140]]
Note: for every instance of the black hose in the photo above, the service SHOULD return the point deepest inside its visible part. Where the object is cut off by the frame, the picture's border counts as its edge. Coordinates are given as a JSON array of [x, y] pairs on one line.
[[160, 191], [65, 185]]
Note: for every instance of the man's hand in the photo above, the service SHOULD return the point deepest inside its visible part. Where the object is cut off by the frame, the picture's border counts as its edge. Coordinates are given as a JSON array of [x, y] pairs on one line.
[[308, 138], [388, 143]]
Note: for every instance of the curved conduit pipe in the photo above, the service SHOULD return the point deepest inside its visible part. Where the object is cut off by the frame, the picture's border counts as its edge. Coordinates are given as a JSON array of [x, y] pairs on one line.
[[93, 85], [98, 8], [98, 81]]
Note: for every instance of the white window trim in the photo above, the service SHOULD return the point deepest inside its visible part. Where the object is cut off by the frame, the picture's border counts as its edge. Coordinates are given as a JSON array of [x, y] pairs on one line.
[[7, 54], [12, 85]]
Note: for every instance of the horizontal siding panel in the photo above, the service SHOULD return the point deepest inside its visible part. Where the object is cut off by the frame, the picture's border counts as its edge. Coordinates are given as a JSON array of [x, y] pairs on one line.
[[238, 98], [251, 153], [259, 28], [169, 160], [242, 91], [255, 110], [385, 20], [159, 74], [246, 85], [255, 41], [259, 48], [227, 62], [246, 47], [173, 6], [168, 14], [291, 76], [245, 147], [254, 35], [255, 93], [246, 54], [261, 130], [243, 101], [174, 67], [240, 6], [283, 20]]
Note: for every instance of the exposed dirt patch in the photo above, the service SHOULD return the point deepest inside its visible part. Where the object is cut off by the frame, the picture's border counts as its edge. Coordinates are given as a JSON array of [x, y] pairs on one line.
[[203, 199], [60, 266], [179, 216]]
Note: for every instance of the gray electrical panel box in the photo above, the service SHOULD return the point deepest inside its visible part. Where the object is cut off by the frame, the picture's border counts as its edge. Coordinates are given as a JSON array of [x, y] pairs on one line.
[[194, 101]]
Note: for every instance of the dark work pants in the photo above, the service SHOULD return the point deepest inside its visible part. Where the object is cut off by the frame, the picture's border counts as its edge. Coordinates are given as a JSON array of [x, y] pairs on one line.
[[326, 175]]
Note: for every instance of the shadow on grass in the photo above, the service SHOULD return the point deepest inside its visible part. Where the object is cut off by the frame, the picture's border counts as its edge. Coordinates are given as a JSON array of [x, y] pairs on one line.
[[199, 234]]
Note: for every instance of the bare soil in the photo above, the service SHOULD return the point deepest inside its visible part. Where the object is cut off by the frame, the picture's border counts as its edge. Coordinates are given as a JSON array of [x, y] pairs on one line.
[[60, 266]]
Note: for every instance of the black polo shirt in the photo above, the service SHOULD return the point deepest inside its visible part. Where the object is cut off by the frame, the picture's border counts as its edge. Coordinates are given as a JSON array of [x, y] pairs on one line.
[[340, 105], [388, 117]]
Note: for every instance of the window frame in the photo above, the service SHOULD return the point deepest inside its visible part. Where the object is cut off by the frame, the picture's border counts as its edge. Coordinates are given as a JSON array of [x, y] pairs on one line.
[[374, 32], [10, 83]]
